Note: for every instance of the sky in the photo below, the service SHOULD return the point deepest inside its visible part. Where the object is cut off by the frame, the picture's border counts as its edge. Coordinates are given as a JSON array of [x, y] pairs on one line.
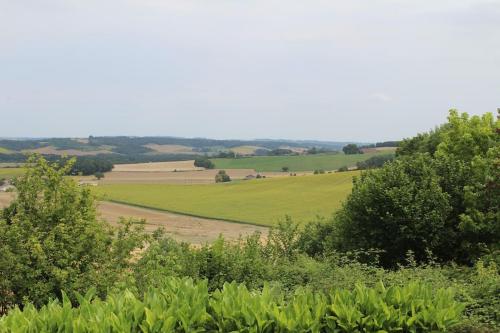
[[332, 70]]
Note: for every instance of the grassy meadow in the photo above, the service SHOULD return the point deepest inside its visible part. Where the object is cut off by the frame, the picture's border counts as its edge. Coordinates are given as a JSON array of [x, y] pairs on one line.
[[294, 163], [259, 201], [11, 172]]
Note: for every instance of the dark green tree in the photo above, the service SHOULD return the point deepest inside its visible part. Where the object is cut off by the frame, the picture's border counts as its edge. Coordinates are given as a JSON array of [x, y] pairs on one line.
[[351, 149], [441, 194], [222, 177]]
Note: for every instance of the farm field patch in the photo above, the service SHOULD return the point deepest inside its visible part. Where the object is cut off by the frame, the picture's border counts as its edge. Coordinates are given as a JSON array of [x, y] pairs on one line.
[[170, 177], [11, 172], [259, 201], [51, 150], [189, 229], [4, 151], [246, 150], [170, 149], [294, 163], [157, 166]]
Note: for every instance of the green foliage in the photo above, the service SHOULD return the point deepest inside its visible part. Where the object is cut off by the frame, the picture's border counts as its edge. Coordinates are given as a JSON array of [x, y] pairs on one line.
[[99, 175], [222, 177], [351, 149], [440, 195], [51, 240], [376, 161], [203, 162], [180, 305], [90, 165], [398, 208]]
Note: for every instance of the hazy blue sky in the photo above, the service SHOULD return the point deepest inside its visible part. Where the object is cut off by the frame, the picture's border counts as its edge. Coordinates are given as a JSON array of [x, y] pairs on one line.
[[309, 69]]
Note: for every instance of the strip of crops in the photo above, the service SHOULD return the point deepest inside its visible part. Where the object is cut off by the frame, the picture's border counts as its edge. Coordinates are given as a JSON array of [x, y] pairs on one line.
[[182, 305]]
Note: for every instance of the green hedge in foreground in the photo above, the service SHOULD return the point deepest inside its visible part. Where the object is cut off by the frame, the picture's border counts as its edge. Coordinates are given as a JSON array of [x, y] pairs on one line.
[[182, 305]]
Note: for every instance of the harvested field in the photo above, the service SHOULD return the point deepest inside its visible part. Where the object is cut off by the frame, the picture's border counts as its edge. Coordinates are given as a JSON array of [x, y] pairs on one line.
[[181, 177], [184, 228], [50, 150], [157, 166], [170, 149], [246, 150]]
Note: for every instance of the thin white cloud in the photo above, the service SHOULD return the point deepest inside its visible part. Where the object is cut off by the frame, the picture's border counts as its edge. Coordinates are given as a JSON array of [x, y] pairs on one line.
[[382, 97]]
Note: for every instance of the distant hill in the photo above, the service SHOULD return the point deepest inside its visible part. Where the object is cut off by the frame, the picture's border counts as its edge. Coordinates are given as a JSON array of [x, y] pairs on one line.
[[126, 149]]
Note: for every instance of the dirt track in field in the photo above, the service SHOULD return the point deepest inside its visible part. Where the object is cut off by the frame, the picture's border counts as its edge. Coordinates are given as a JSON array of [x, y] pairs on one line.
[[190, 229]]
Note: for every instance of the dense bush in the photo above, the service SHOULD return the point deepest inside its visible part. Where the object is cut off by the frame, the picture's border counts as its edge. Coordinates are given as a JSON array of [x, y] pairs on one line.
[[89, 165], [52, 240], [440, 195], [180, 305], [203, 162], [222, 177], [375, 161], [351, 149]]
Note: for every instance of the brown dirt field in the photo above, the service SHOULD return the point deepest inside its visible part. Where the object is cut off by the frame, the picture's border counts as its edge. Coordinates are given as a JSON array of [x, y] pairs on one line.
[[245, 150], [184, 228], [173, 149], [193, 230], [299, 150], [70, 152], [157, 166], [181, 177]]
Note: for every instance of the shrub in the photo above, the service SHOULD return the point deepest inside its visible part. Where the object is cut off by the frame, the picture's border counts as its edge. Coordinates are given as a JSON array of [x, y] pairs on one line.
[[52, 240], [203, 162], [222, 177], [351, 149]]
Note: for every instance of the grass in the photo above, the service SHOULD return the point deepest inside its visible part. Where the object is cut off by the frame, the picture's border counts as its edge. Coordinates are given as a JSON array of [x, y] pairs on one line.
[[259, 201], [4, 150], [294, 163], [11, 172]]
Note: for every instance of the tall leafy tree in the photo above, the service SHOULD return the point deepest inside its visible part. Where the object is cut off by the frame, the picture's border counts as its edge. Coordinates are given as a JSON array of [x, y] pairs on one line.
[[51, 239], [441, 194]]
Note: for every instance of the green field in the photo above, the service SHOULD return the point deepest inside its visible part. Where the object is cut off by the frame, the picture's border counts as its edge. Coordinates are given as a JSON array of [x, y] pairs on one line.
[[259, 201], [11, 172], [294, 163], [4, 150]]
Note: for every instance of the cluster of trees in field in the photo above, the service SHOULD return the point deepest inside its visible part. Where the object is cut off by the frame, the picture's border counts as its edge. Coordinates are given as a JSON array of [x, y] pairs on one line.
[[429, 216], [376, 161], [351, 149], [203, 162], [222, 177]]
